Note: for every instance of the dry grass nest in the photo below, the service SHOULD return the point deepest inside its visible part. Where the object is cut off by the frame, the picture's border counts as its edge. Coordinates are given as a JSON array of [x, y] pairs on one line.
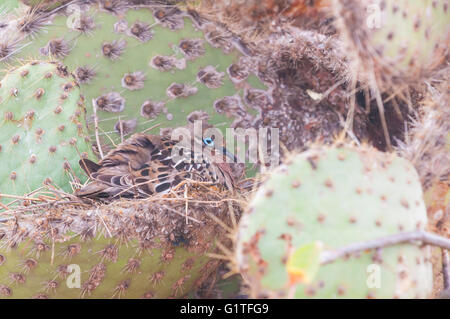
[[191, 215]]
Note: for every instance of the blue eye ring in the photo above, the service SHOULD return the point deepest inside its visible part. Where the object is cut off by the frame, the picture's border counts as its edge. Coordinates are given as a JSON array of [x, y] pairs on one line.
[[208, 141]]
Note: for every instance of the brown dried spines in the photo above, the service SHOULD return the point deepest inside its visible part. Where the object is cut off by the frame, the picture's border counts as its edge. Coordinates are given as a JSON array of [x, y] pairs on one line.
[[114, 49], [5, 291], [166, 63], [197, 116], [176, 90], [7, 49], [141, 31], [192, 48], [255, 20], [125, 127], [218, 37], [85, 24], [8, 116], [50, 286], [210, 77], [116, 7], [426, 145], [32, 23], [71, 250], [110, 102], [110, 253], [132, 266], [231, 106], [133, 81], [171, 18], [151, 109], [58, 48], [84, 74], [157, 278], [121, 288], [238, 72]]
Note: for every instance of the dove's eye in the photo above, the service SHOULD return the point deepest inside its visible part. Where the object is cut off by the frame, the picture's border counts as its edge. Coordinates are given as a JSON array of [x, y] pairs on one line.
[[208, 141]]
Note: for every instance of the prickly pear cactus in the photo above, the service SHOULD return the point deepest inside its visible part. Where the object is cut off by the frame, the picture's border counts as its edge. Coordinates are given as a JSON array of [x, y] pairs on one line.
[[8, 5], [42, 129], [145, 65], [126, 249], [333, 197], [45, 4], [403, 40]]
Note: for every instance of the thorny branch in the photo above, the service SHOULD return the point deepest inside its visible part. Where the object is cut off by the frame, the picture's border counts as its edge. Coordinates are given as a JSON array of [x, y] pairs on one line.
[[409, 237]]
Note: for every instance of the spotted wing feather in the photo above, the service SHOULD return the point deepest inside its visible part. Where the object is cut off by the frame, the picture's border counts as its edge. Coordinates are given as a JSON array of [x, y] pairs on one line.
[[144, 165]]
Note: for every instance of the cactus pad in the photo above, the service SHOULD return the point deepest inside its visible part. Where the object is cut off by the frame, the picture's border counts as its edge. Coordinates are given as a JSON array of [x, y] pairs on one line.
[[337, 196], [400, 39]]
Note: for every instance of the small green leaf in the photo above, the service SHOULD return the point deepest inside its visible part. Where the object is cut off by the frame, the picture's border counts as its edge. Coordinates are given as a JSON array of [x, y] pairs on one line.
[[303, 264]]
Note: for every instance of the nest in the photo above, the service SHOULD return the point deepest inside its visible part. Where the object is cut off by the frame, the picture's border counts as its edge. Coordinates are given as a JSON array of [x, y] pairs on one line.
[[187, 214]]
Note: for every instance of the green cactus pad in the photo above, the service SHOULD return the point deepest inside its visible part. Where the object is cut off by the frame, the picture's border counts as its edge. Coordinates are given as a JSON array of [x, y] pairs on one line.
[[336, 196], [140, 66], [42, 129], [126, 249], [402, 39], [8, 5]]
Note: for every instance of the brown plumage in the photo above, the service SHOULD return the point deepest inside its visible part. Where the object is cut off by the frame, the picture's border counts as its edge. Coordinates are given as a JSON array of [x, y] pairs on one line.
[[143, 165]]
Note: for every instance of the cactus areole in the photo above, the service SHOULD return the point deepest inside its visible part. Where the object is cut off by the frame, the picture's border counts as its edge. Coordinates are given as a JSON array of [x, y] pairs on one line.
[[43, 131]]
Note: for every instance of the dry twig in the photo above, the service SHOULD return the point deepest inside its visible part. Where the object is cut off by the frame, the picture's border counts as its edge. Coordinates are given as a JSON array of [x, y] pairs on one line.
[[409, 237]]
